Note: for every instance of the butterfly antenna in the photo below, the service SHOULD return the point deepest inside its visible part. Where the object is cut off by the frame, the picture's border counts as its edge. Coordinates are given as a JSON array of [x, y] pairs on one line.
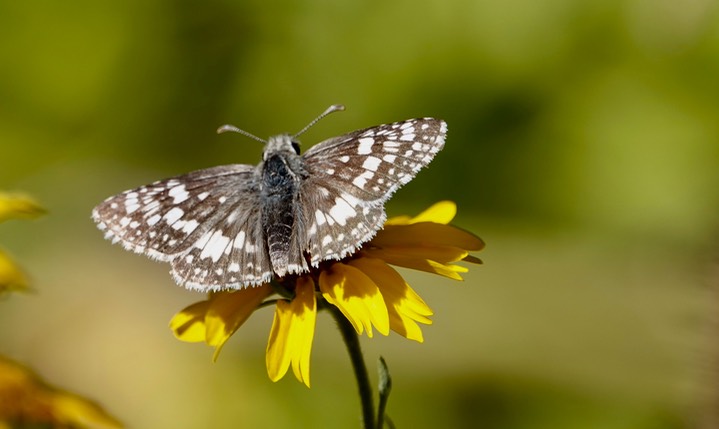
[[234, 129], [331, 109]]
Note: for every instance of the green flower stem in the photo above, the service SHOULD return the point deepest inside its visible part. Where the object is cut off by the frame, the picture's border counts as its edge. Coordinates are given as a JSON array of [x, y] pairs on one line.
[[385, 387], [349, 335]]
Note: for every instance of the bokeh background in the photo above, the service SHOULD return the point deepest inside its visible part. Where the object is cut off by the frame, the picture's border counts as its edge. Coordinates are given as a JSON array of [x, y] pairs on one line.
[[582, 148]]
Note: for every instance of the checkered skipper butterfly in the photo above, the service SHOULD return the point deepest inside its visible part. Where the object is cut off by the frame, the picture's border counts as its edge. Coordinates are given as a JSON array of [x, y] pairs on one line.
[[233, 226]]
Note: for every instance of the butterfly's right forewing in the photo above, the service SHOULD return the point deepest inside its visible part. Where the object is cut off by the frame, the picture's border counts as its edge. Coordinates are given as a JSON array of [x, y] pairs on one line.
[[371, 164], [351, 177]]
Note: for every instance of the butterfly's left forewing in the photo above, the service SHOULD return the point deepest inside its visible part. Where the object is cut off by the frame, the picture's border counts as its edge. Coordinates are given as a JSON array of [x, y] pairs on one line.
[[205, 223], [350, 178]]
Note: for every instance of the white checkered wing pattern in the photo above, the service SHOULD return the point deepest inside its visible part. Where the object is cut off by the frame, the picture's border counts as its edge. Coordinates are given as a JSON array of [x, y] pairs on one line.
[[351, 177], [205, 223]]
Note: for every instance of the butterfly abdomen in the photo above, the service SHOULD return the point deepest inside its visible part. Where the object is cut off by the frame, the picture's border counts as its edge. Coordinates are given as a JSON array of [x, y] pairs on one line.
[[278, 198]]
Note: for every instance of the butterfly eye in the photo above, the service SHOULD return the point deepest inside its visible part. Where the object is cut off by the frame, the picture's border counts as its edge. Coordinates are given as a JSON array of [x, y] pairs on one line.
[[296, 147]]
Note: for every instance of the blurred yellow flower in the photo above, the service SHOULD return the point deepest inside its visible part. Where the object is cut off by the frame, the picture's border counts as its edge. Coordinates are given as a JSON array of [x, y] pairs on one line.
[[15, 206], [363, 287], [12, 279], [27, 401], [18, 206]]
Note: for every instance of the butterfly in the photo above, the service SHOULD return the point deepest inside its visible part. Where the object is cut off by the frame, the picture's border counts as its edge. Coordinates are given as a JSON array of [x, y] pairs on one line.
[[235, 226]]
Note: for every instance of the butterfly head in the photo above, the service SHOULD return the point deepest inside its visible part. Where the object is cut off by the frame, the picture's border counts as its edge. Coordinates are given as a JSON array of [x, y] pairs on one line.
[[283, 143]]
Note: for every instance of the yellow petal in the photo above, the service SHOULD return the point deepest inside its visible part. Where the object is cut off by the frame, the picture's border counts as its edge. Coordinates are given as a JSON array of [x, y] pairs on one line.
[[443, 254], [17, 206], [292, 332], [11, 277], [398, 220], [356, 296], [442, 212], [189, 324], [426, 234], [229, 310], [277, 357], [404, 306], [396, 258], [448, 270], [79, 412]]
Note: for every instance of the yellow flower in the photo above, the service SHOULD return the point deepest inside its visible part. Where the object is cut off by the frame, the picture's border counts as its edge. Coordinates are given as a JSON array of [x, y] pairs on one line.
[[12, 278], [15, 206], [363, 287], [27, 401], [18, 206]]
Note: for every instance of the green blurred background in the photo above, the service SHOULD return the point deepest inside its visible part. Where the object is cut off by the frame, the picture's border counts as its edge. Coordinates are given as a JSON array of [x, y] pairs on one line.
[[582, 147]]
